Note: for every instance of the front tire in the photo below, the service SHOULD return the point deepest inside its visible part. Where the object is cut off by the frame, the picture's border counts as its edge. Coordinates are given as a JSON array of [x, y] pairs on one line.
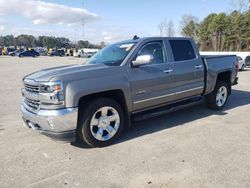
[[242, 68], [101, 122], [218, 98]]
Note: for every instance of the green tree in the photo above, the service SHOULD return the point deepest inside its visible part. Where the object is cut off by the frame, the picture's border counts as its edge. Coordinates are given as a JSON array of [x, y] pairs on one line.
[[25, 40]]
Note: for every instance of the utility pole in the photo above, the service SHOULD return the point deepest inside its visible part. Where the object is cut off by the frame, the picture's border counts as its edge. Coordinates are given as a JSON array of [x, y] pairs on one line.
[[83, 21]]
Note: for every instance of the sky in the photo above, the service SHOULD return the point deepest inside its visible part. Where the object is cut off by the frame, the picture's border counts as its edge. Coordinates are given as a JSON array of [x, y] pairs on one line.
[[104, 20]]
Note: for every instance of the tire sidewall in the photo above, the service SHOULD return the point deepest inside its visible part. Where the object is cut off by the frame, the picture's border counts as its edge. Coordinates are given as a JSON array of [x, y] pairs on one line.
[[243, 67], [214, 95], [84, 130]]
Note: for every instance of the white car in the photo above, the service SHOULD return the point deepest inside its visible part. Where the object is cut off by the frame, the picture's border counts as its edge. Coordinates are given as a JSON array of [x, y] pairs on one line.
[[78, 53], [242, 63], [81, 53]]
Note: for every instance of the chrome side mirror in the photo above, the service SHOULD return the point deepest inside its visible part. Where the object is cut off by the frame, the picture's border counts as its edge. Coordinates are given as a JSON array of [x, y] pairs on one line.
[[142, 60]]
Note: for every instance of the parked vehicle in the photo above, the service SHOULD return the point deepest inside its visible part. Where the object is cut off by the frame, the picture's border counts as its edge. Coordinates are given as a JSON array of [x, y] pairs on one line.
[[10, 50], [4, 51], [81, 53], [60, 53], [134, 79], [29, 53], [242, 63], [7, 50], [42, 51], [16, 52], [78, 53], [90, 54], [70, 52], [247, 61]]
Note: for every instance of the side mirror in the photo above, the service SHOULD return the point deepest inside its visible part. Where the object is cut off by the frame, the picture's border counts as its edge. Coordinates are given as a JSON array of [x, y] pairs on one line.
[[142, 60]]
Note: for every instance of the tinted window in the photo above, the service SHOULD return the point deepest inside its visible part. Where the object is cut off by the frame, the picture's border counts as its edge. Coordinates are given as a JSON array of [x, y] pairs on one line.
[[182, 50], [155, 49], [247, 60], [239, 58]]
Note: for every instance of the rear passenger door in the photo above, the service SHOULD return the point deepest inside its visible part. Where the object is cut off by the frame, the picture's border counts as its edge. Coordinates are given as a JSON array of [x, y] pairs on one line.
[[188, 68]]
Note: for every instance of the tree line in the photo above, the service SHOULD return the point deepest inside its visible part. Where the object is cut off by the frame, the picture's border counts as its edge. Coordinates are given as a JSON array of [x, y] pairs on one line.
[[45, 41], [219, 32]]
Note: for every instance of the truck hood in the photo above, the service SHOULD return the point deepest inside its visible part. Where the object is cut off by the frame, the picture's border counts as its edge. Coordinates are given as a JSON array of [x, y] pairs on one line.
[[61, 72]]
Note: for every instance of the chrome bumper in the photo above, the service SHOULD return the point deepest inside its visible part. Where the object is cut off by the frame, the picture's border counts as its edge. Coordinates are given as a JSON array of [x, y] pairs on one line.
[[57, 124]]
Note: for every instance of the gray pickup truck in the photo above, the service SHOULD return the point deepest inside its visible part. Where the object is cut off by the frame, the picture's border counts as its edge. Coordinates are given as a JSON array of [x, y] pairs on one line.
[[134, 79]]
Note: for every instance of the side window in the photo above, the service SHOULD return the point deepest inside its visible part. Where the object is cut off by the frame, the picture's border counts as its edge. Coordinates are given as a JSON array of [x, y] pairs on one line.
[[155, 49], [247, 60], [182, 50]]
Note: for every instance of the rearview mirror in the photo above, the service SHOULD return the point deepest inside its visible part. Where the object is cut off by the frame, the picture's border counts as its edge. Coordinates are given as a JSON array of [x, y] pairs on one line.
[[142, 60]]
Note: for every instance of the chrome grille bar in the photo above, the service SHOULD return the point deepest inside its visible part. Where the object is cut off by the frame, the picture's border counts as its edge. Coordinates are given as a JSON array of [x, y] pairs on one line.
[[31, 88], [32, 103]]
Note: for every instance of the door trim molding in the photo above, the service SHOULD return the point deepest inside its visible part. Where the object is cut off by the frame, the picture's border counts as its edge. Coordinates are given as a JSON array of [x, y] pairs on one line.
[[171, 94]]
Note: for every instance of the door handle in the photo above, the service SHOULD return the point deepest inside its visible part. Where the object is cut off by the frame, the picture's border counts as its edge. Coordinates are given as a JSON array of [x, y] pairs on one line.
[[198, 66], [168, 71]]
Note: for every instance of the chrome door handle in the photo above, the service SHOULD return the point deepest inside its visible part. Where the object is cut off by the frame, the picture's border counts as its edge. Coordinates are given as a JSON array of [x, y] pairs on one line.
[[198, 66], [168, 70]]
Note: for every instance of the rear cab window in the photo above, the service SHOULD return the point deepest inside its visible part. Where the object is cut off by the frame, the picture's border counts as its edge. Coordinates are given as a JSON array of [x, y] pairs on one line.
[[182, 50]]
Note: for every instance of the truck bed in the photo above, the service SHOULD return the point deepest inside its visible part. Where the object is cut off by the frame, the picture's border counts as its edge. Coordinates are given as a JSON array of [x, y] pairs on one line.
[[218, 63]]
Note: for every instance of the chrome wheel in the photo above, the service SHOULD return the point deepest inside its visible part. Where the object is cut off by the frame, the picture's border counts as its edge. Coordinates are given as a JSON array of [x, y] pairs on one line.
[[221, 96], [105, 123]]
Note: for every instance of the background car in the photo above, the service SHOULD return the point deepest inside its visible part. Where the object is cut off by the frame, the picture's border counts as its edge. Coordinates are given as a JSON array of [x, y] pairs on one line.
[[90, 54], [16, 52], [79, 53], [57, 53], [70, 52], [247, 61], [242, 63], [29, 53]]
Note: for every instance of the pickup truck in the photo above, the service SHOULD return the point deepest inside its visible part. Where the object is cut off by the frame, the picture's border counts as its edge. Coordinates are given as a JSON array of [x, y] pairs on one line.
[[134, 79]]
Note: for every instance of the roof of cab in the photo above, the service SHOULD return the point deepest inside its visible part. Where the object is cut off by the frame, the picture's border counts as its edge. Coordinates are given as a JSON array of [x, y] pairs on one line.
[[153, 38]]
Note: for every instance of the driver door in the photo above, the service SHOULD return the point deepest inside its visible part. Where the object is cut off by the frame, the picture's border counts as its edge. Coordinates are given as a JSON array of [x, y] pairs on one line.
[[152, 84]]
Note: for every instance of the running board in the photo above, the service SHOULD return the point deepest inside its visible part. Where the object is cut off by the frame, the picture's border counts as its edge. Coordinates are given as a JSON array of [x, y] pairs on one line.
[[166, 109]]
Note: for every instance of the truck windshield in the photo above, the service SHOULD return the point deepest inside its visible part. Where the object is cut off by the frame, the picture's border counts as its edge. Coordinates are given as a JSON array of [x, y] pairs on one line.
[[112, 55]]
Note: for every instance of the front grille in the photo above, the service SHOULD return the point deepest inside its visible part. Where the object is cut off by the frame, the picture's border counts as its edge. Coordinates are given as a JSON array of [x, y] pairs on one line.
[[31, 98], [31, 87], [33, 104]]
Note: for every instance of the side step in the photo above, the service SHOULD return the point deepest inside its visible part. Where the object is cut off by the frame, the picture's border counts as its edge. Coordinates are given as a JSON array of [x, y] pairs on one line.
[[166, 109]]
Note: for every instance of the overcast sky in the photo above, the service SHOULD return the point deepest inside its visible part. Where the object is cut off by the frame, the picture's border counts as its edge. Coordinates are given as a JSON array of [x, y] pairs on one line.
[[105, 20]]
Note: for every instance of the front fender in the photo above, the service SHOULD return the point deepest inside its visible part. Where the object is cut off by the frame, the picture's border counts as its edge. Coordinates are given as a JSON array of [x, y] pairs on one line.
[[80, 88]]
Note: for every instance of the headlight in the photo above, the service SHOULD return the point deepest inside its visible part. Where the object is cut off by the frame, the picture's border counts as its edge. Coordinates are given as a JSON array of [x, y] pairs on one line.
[[51, 93], [51, 87]]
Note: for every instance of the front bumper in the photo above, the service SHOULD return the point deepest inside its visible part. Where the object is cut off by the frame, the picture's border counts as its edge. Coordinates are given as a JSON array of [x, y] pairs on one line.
[[56, 124]]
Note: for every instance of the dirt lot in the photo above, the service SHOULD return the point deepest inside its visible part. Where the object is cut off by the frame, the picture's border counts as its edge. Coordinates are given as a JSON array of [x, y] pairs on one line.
[[194, 147]]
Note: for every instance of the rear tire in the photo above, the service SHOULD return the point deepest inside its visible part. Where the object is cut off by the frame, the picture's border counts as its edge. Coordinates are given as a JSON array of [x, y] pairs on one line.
[[101, 122], [218, 98]]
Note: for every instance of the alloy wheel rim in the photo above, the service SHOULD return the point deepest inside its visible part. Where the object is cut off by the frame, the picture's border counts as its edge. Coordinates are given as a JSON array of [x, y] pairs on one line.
[[221, 96], [105, 123]]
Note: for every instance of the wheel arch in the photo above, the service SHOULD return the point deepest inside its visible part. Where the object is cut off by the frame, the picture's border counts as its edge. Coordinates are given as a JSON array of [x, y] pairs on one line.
[[116, 94], [225, 77]]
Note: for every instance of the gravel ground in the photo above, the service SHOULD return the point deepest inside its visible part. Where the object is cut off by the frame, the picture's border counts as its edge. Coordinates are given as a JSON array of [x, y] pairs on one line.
[[194, 147]]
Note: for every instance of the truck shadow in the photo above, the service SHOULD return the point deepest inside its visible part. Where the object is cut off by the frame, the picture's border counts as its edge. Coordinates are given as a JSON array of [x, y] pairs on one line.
[[237, 99]]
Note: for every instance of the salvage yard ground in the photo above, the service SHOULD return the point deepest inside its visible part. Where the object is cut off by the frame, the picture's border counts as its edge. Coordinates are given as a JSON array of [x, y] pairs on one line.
[[194, 147]]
